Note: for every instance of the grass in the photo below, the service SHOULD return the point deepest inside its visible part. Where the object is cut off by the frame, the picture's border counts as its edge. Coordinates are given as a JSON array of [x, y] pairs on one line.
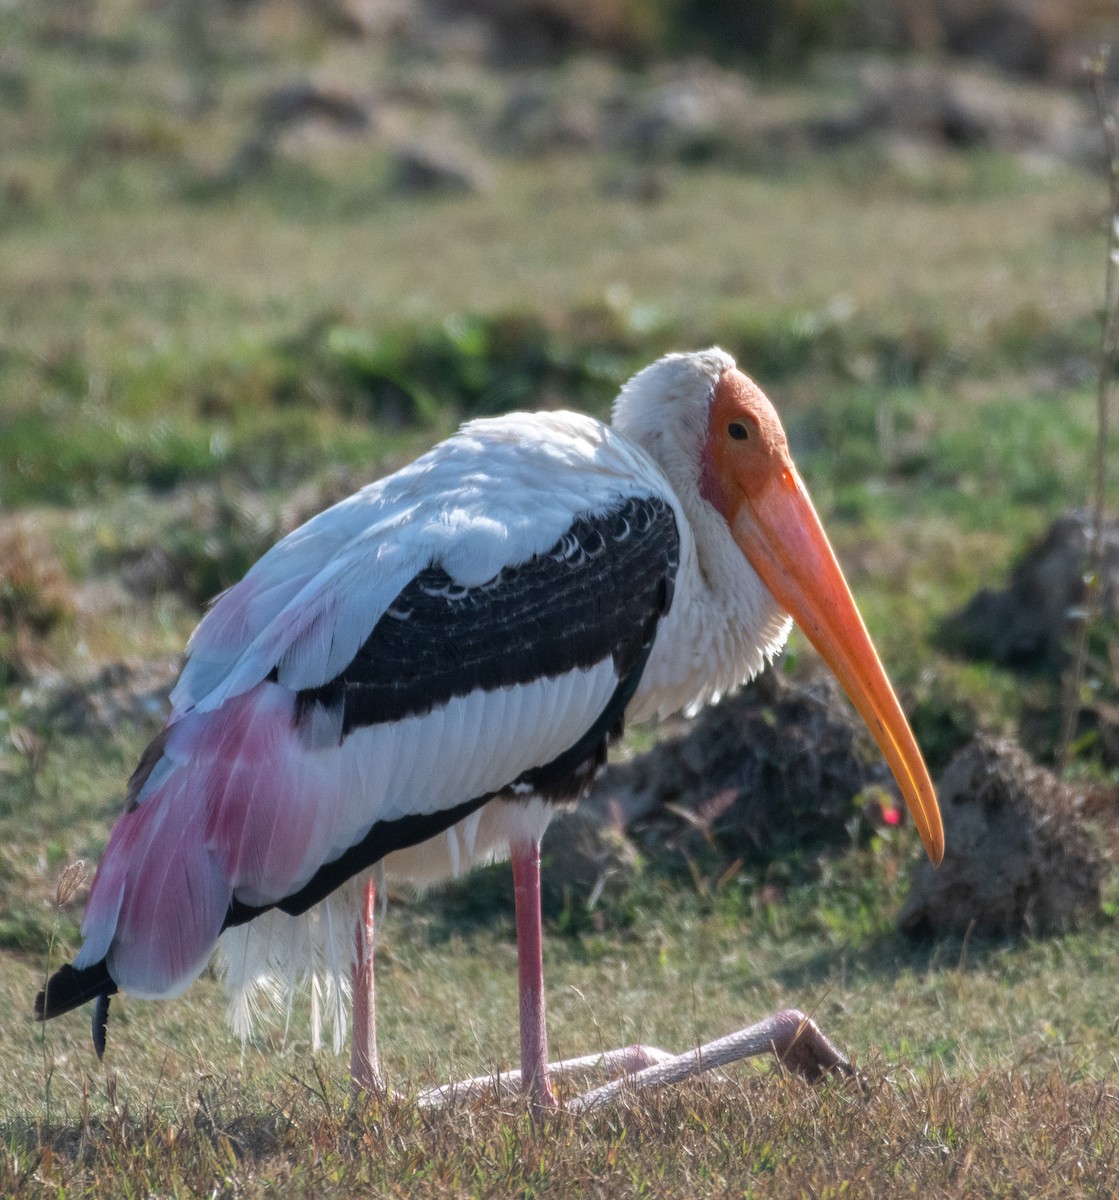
[[988, 1064], [189, 362], [990, 1061], [756, 1138]]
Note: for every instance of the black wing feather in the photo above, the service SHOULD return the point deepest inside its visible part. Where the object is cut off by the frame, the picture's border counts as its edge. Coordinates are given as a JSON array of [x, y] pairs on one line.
[[70, 987], [592, 596]]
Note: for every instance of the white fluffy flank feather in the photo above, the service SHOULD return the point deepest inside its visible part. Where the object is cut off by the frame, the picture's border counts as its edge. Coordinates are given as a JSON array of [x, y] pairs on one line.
[[265, 963]]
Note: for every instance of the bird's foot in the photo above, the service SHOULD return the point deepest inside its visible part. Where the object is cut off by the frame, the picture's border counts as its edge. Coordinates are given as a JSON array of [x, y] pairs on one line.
[[794, 1038], [628, 1060], [802, 1047]]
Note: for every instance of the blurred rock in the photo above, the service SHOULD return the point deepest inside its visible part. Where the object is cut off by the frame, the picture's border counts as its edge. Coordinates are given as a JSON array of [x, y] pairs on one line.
[[1019, 855], [693, 111], [429, 169], [1029, 623], [950, 106], [302, 101], [289, 118]]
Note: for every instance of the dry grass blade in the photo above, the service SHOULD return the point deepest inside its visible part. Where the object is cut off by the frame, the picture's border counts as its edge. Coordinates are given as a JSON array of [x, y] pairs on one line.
[[71, 879]]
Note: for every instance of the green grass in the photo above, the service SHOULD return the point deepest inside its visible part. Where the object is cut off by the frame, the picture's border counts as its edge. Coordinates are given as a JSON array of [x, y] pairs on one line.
[[188, 362]]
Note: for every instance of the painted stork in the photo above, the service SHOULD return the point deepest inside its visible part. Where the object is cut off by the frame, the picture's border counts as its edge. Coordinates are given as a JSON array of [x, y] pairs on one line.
[[427, 668]]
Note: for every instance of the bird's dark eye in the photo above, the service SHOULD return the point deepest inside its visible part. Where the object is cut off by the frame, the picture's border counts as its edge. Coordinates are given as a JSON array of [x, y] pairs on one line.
[[737, 431]]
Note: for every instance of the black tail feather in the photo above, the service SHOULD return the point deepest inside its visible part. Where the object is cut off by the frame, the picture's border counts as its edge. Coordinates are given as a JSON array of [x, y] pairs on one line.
[[68, 988], [100, 1024]]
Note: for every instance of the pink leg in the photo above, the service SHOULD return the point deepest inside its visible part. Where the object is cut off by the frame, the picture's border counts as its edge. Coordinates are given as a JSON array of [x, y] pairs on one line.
[[365, 1070], [525, 858]]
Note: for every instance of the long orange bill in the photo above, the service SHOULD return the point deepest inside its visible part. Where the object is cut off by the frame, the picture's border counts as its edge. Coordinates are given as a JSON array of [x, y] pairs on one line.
[[781, 535]]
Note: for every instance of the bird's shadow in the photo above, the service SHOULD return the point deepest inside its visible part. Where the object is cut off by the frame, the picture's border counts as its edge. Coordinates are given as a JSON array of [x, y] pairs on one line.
[[890, 957]]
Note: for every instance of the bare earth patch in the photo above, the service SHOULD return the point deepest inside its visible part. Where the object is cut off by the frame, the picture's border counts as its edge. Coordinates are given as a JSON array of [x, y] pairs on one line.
[[1019, 854]]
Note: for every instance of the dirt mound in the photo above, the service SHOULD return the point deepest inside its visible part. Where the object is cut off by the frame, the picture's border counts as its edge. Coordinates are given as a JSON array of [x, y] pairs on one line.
[[300, 100], [1029, 622], [1019, 853], [768, 772], [429, 168]]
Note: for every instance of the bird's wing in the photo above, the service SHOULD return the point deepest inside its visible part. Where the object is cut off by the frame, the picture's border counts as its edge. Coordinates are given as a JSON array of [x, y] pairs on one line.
[[497, 493], [594, 594], [295, 586], [447, 650], [513, 685]]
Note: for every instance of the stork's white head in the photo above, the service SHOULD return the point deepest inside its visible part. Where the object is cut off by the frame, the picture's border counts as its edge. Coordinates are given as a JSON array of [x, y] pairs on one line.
[[665, 409], [721, 444]]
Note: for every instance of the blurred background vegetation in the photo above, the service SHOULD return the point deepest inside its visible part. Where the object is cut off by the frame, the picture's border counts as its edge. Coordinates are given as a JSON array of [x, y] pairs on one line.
[[271, 249]]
